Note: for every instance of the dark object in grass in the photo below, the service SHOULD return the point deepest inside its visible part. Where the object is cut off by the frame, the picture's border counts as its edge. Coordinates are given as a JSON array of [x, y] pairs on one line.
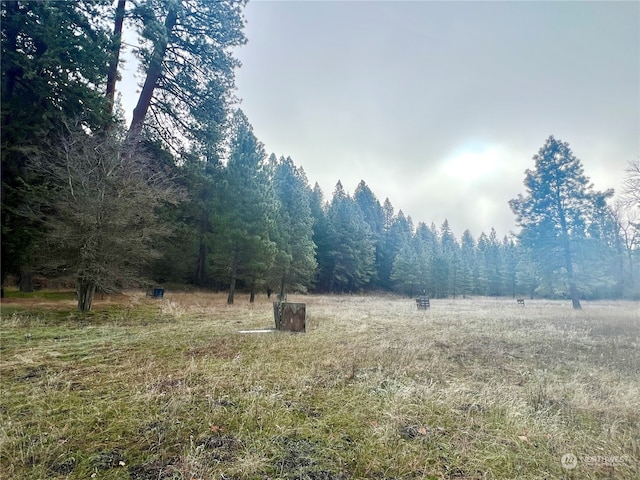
[[290, 317], [423, 302], [156, 292]]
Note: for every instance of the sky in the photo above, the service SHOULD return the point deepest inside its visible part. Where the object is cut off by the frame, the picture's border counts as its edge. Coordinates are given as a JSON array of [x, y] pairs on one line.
[[440, 106]]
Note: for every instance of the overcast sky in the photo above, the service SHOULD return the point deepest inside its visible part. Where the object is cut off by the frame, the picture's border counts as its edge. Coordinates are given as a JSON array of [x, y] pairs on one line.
[[440, 106]]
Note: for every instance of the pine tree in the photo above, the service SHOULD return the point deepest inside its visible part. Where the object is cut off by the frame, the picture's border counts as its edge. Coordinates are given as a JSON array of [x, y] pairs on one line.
[[509, 254], [186, 57], [405, 274], [480, 272], [200, 220], [394, 239], [527, 272], [387, 249], [555, 213], [426, 246], [374, 216], [352, 246], [450, 253], [250, 209], [493, 265], [322, 235], [295, 264], [467, 263]]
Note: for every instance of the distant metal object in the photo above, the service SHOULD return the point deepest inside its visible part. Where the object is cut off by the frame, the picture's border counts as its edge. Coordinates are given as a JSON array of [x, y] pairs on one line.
[[521, 301], [423, 303], [156, 292]]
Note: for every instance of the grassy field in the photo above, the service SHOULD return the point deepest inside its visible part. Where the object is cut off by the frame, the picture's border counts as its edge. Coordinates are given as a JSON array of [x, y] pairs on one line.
[[169, 389]]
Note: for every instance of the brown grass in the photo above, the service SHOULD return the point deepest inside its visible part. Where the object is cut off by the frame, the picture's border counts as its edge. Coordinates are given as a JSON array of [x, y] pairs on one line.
[[471, 389]]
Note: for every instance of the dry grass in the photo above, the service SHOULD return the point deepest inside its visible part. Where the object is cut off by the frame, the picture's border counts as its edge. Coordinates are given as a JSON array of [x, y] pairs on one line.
[[482, 389]]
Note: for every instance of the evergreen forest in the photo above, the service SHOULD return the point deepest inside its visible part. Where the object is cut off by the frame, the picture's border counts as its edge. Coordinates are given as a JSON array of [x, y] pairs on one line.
[[185, 193]]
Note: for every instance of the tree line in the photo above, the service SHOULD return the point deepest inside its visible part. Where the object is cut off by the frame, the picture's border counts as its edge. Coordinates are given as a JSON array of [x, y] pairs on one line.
[[187, 194]]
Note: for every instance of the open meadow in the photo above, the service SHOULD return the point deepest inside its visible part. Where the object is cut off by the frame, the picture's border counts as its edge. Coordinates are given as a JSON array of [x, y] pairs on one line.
[[152, 389]]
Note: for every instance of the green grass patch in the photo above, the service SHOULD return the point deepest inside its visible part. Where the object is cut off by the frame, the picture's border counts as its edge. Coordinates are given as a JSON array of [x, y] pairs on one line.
[[41, 294], [170, 389]]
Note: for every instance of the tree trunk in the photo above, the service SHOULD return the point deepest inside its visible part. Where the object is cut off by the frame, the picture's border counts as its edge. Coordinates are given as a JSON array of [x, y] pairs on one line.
[[26, 280], [153, 74], [281, 296], [568, 260], [455, 281], [632, 276], [574, 296], [112, 74], [86, 290], [332, 280], [201, 266], [232, 283], [573, 289]]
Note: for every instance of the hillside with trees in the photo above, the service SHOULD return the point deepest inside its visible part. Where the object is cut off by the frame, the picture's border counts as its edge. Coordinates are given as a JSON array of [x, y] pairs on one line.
[[186, 193]]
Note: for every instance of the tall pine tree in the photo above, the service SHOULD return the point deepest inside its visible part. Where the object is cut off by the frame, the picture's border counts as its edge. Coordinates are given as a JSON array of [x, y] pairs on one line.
[[467, 262], [322, 238], [556, 212], [374, 216], [295, 262], [352, 251], [250, 209]]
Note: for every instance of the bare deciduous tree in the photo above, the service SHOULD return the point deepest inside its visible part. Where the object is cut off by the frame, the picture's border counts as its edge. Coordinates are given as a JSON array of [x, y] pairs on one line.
[[98, 207], [627, 216], [631, 188]]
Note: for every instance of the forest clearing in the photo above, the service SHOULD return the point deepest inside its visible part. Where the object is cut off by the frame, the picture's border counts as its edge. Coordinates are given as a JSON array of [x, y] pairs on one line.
[[129, 159], [479, 388]]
